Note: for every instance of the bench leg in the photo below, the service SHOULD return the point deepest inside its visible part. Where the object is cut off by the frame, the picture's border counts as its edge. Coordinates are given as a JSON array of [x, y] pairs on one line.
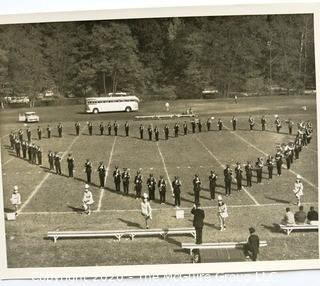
[[194, 235], [289, 231], [118, 237], [191, 251], [55, 238], [132, 236]]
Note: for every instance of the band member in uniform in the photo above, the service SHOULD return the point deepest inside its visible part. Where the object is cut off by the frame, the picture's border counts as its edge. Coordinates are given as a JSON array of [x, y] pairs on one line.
[[209, 124], [101, 128], [297, 148], [24, 149], [125, 180], [29, 134], [87, 200], [251, 122], [15, 199], [126, 128], [102, 174], [220, 124], [176, 130], [34, 153], [39, 155], [117, 178], [166, 131], [263, 123], [109, 128], [258, 167], [278, 124], [234, 123], [141, 129], [156, 133], [138, 184], [176, 185], [212, 184], [150, 132], [48, 131], [51, 160], [60, 129], [70, 162], [199, 125], [185, 128], [115, 128], [29, 150], [279, 162], [77, 126], [151, 183], [20, 135], [162, 190], [227, 180], [57, 163], [269, 163], [193, 125], [39, 130], [287, 156], [12, 140], [248, 168], [17, 147], [88, 170], [90, 128], [298, 189], [238, 171], [290, 125], [196, 189]]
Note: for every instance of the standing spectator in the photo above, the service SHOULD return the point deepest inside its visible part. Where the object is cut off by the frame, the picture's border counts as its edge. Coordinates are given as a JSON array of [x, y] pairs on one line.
[[298, 189], [222, 213], [15, 199], [162, 190], [288, 217], [87, 200], [312, 216], [146, 210], [300, 216], [251, 248], [198, 217]]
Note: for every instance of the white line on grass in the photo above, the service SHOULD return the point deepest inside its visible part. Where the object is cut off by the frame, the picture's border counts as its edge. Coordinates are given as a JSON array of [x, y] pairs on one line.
[[164, 166], [264, 153], [161, 209], [107, 172], [310, 149], [8, 161], [47, 175], [214, 157]]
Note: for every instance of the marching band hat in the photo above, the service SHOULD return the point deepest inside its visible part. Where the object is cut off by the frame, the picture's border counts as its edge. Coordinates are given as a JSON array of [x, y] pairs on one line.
[[15, 187], [299, 177], [145, 195], [219, 198], [86, 186]]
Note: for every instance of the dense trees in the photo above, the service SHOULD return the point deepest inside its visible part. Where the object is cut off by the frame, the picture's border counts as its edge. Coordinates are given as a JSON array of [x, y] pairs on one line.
[[170, 57]]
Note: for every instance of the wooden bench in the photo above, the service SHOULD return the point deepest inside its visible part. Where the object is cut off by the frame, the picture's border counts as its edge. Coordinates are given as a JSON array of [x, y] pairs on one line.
[[132, 233], [216, 245], [289, 228]]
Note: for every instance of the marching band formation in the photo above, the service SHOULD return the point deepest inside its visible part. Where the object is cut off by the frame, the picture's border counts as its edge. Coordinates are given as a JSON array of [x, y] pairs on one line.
[[287, 152]]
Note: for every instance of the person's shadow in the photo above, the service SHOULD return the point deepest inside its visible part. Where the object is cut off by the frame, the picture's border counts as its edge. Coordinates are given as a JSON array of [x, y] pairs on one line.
[[130, 223]]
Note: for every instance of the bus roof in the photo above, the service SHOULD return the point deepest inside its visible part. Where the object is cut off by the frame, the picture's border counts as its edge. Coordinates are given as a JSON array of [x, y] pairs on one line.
[[113, 97]]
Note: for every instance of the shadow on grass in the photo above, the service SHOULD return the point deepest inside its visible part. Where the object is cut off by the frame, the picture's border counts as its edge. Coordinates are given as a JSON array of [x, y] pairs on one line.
[[278, 200], [75, 209], [212, 225], [274, 228], [7, 210], [130, 223]]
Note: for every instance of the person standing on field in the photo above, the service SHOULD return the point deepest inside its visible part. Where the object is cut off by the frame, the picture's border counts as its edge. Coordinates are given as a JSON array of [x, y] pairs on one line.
[[222, 213], [15, 199], [198, 217], [87, 200], [298, 189], [146, 210]]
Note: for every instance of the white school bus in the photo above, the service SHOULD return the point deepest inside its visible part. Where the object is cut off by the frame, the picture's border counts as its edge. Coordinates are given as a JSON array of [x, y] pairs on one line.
[[111, 104]]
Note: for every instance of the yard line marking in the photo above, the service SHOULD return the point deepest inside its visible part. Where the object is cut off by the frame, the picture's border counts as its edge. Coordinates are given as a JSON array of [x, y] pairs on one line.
[[47, 175], [264, 153], [8, 161], [165, 167], [214, 157], [107, 172], [310, 149], [161, 209]]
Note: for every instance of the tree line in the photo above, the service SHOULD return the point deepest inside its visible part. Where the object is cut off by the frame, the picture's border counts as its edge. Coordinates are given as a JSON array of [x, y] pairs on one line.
[[159, 58]]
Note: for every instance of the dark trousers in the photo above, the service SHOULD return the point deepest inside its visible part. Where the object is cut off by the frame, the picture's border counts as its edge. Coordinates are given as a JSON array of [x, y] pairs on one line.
[[249, 181], [150, 136], [58, 169], [162, 197], [151, 194], [296, 153], [248, 251], [259, 176], [101, 131], [166, 136], [127, 131], [288, 161], [290, 130], [126, 188], [70, 169], [60, 133], [116, 132], [24, 153], [239, 184], [51, 165], [263, 127], [228, 187], [138, 191], [117, 184], [177, 199], [196, 197], [141, 135], [49, 134], [101, 178], [270, 171], [88, 177], [212, 189], [90, 131], [77, 131], [198, 235], [234, 126], [279, 168], [39, 136], [251, 127]]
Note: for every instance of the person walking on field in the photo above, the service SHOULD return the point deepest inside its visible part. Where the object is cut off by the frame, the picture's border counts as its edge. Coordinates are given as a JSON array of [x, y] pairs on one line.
[[15, 199], [222, 213], [146, 210], [298, 189]]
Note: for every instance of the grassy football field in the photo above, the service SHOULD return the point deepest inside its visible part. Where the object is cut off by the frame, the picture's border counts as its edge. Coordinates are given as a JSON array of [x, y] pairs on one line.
[[51, 202]]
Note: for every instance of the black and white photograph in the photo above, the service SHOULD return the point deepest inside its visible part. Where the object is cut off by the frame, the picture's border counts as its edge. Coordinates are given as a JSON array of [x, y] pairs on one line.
[[159, 140]]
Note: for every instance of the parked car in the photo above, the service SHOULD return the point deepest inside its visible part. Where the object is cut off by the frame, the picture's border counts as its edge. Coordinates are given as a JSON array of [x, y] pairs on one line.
[[29, 116]]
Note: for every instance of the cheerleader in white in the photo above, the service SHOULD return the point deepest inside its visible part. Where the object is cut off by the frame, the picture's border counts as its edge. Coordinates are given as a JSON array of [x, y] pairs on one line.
[[146, 210], [87, 200], [222, 213], [298, 189], [15, 199]]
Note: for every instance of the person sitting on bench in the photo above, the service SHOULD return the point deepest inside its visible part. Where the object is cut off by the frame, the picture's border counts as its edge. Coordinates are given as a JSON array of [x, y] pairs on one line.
[[300, 216], [251, 248], [312, 216], [288, 218]]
